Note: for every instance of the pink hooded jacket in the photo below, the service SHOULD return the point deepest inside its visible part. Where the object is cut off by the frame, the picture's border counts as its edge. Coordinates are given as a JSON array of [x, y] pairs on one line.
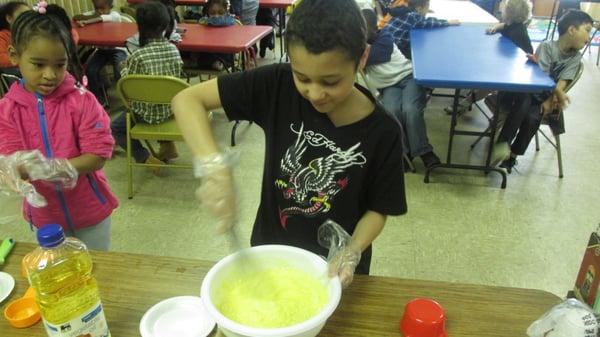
[[68, 122]]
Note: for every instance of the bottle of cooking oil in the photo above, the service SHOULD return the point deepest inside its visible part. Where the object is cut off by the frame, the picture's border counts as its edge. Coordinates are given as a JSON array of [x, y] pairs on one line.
[[60, 270]]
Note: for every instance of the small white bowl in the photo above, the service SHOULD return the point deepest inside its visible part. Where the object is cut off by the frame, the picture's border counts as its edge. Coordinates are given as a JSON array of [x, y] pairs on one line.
[[183, 316], [7, 284], [264, 257]]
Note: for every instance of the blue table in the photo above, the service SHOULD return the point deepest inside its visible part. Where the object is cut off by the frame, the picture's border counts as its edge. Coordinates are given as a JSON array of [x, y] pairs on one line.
[[464, 57]]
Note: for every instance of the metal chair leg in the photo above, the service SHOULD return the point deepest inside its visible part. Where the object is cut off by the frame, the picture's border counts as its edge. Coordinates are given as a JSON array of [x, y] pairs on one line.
[[559, 155], [129, 163], [537, 141]]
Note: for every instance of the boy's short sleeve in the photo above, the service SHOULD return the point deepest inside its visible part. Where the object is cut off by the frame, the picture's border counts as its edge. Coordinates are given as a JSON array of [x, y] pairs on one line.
[[250, 95], [543, 54], [386, 194]]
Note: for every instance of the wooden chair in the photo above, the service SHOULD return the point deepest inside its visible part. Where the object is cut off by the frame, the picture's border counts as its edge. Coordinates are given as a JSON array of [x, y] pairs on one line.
[[155, 90], [556, 134]]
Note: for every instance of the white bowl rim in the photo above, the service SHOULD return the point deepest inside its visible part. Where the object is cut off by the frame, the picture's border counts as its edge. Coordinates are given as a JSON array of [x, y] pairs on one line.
[[313, 322]]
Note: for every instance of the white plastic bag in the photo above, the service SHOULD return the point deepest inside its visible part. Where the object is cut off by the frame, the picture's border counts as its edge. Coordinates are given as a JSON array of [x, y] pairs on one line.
[[570, 318]]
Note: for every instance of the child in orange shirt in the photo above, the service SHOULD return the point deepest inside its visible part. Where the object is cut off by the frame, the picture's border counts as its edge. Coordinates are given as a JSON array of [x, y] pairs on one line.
[[8, 14]]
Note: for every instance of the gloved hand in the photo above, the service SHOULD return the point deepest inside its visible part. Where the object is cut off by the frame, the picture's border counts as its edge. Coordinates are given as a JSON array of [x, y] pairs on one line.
[[343, 255], [11, 182], [57, 170], [217, 188]]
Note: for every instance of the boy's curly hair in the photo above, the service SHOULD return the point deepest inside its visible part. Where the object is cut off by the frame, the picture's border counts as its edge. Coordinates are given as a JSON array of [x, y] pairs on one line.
[[516, 11], [326, 25]]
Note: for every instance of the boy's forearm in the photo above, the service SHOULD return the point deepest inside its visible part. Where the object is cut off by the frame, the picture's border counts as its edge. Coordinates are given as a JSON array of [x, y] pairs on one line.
[[368, 228], [192, 118], [87, 163], [88, 19]]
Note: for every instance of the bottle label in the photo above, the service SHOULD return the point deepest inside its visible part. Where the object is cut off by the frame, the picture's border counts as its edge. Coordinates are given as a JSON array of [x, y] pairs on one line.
[[91, 323]]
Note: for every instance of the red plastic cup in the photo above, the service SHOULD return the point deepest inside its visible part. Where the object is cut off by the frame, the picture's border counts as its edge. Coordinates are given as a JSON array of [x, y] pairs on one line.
[[423, 317]]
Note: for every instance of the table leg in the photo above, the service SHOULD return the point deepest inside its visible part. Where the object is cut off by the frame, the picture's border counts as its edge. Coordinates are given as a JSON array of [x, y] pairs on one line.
[[486, 168], [281, 29]]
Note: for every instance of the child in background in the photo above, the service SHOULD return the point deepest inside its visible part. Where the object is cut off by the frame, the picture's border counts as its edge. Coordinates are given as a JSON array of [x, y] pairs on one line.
[[390, 72], [560, 59], [103, 12], [216, 13], [8, 14], [51, 111], [331, 151], [383, 8], [133, 42], [156, 56], [514, 16], [405, 18]]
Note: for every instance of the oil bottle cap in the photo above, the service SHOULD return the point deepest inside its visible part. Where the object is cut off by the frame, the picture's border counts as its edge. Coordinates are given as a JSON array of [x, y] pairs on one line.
[[50, 235]]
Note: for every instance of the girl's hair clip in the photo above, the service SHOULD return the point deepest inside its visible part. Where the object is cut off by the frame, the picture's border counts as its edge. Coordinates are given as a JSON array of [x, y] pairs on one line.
[[41, 7]]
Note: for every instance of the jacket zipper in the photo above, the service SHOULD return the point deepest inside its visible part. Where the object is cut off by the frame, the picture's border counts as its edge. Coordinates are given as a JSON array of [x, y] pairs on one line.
[[49, 154]]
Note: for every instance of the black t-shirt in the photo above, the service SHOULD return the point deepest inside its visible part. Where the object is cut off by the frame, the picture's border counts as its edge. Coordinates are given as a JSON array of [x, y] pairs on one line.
[[517, 33], [313, 170]]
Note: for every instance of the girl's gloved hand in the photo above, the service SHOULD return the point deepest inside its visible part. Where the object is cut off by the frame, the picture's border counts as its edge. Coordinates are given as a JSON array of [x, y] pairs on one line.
[[56, 170], [12, 181]]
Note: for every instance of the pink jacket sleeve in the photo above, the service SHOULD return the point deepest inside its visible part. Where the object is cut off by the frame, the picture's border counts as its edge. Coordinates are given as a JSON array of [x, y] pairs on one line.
[[11, 139], [93, 127]]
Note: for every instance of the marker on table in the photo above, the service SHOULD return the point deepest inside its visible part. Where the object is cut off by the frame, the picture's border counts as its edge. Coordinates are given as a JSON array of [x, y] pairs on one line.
[[5, 248]]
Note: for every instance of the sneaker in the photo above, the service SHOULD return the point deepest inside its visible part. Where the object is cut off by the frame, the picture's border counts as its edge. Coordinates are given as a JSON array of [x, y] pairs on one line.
[[500, 152], [153, 160], [430, 160], [167, 151], [508, 164]]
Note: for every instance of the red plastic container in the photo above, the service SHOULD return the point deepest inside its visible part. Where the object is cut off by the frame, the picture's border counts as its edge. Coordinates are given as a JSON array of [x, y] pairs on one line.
[[423, 317]]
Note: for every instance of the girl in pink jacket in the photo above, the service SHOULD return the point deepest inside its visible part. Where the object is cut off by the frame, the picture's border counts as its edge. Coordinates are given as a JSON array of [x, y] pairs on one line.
[[50, 111]]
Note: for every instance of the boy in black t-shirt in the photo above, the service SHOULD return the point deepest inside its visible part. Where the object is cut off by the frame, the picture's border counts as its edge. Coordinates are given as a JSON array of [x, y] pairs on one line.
[[331, 151]]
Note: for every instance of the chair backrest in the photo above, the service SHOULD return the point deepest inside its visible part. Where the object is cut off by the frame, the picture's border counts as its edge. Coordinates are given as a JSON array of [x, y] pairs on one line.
[[149, 89], [6, 80]]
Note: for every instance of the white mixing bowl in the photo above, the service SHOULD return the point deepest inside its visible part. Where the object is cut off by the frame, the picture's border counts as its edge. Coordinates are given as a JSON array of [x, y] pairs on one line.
[[264, 257]]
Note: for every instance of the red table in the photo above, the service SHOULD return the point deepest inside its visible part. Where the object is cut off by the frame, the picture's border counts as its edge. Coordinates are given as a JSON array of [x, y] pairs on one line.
[[262, 3], [197, 38], [177, 2]]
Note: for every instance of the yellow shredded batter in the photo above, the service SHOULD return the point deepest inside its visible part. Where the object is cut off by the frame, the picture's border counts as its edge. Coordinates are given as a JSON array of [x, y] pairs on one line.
[[271, 298]]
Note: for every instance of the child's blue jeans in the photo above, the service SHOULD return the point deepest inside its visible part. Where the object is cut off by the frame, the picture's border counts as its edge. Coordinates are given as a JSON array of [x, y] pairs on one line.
[[101, 58], [406, 100], [119, 131]]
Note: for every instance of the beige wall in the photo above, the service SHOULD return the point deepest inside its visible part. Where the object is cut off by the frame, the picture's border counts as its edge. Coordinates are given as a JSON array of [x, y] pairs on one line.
[[73, 6]]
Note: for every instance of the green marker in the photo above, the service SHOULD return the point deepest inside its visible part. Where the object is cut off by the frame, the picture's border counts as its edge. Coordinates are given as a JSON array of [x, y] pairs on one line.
[[5, 248]]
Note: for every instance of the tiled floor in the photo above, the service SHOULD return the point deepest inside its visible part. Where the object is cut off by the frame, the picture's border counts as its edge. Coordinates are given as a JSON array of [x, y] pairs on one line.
[[461, 227]]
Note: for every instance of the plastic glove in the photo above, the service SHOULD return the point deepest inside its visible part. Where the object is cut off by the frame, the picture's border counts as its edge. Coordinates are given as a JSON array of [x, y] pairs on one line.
[[570, 318], [57, 170], [343, 256], [12, 184], [217, 189]]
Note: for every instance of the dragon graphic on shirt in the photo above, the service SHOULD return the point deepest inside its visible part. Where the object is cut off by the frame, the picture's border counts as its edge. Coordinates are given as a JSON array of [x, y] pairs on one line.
[[311, 187]]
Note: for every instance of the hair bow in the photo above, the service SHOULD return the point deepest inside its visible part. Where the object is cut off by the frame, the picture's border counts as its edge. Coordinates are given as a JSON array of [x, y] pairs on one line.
[[41, 7]]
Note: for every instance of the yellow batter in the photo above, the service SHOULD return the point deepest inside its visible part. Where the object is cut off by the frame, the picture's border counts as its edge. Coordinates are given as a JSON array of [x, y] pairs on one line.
[[272, 298]]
